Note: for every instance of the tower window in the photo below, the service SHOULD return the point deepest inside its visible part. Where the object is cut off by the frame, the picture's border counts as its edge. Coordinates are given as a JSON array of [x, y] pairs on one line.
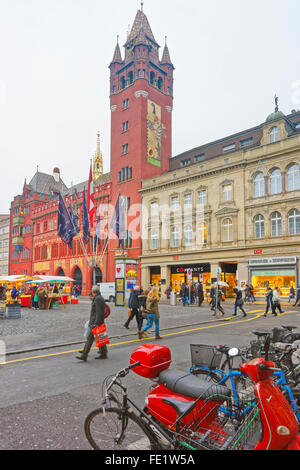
[[152, 78], [125, 104], [125, 126], [124, 149]]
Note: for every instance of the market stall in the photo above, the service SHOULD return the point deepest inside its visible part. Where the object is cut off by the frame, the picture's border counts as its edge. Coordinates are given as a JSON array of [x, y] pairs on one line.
[[9, 305]]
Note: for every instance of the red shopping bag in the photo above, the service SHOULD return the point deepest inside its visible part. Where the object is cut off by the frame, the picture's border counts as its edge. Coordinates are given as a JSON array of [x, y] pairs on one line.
[[100, 335]]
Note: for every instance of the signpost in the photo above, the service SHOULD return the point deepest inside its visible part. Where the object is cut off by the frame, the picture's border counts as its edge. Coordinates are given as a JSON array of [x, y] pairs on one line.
[[218, 272]]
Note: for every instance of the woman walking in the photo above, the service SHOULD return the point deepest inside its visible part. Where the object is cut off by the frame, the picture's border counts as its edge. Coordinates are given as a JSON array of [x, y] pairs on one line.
[[152, 314]]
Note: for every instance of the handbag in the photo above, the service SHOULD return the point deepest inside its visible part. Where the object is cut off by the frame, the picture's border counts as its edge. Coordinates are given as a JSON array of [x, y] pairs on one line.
[[240, 302], [100, 335], [107, 311]]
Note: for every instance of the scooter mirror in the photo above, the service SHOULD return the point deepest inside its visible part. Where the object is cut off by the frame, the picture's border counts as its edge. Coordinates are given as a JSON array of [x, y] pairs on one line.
[[233, 352]]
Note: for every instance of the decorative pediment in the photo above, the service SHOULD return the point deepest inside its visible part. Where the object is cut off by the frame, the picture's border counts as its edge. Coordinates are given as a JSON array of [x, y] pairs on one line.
[[226, 211]]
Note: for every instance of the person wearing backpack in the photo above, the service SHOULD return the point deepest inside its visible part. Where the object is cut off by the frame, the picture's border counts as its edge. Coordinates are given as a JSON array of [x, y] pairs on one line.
[[276, 301], [134, 305], [97, 318]]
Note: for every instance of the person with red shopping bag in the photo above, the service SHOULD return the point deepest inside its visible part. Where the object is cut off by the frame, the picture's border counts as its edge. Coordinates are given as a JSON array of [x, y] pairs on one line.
[[96, 327]]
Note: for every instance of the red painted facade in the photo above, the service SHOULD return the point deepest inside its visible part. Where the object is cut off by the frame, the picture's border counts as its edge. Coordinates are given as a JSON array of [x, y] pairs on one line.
[[141, 99]]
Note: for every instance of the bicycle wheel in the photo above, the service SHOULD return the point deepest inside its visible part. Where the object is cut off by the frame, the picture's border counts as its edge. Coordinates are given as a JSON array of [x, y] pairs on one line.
[[111, 430]]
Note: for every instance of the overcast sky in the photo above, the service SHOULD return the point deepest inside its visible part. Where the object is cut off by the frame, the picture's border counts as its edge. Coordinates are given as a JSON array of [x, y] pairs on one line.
[[231, 57]]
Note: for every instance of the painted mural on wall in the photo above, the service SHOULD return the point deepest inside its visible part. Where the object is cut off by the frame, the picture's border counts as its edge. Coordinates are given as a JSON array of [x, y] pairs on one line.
[[155, 132]]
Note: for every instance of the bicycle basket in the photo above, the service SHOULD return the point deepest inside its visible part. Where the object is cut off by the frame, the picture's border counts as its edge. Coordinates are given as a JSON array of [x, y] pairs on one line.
[[205, 356], [216, 423]]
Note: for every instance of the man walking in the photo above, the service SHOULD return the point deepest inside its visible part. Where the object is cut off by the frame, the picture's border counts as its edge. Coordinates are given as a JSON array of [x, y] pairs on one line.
[[238, 302], [269, 299], [200, 294], [96, 319], [133, 305]]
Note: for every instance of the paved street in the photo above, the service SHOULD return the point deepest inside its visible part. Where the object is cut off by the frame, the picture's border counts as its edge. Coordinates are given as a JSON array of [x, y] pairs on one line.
[[45, 395]]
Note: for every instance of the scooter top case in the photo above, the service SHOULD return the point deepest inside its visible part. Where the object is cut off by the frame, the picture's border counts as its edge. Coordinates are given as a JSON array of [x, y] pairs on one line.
[[153, 358]]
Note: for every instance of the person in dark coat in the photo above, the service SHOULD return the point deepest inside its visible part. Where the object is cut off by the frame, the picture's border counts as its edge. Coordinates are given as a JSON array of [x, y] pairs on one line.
[[200, 293], [269, 299], [238, 302], [297, 297], [96, 319], [134, 306]]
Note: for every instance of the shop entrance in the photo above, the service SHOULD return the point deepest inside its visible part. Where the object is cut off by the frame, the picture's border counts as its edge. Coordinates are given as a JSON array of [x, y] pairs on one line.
[[200, 272], [77, 276], [282, 278], [155, 276], [228, 275]]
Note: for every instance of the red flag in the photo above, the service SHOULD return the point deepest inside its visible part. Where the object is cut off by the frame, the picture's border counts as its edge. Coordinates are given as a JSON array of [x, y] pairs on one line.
[[90, 199]]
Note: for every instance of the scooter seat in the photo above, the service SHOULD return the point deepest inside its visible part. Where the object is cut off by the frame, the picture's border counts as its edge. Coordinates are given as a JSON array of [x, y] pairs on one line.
[[191, 386]]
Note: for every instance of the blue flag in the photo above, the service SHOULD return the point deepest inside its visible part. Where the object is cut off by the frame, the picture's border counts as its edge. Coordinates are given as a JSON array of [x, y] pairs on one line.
[[85, 222], [65, 229], [73, 220]]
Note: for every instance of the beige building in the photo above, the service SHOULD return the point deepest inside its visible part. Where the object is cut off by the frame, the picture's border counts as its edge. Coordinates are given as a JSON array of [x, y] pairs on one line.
[[232, 204], [4, 244]]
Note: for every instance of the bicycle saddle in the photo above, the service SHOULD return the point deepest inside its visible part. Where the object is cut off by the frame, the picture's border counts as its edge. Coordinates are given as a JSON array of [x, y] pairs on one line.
[[260, 333], [191, 386], [181, 407], [289, 327]]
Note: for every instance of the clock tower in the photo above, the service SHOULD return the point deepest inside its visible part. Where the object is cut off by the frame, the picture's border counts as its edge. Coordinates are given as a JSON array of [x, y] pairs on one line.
[[141, 100]]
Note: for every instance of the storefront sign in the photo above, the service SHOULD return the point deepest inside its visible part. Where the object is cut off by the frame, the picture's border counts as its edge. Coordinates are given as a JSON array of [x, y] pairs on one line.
[[198, 268], [273, 261], [284, 272]]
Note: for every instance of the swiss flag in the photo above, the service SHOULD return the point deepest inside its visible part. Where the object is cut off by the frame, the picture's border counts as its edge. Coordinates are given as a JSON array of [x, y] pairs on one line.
[[91, 199]]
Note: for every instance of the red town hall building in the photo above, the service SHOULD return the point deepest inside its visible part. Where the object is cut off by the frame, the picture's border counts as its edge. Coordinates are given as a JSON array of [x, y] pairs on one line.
[[141, 101]]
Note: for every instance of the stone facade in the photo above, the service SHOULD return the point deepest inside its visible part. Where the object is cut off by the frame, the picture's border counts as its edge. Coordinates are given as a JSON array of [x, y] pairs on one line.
[[251, 210]]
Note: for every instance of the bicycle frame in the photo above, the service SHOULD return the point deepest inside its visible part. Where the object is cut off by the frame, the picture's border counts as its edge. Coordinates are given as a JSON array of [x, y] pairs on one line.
[[282, 383]]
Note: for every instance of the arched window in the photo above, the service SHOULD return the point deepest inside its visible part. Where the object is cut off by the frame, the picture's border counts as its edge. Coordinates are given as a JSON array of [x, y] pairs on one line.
[[259, 185], [160, 83], [274, 135], [203, 233], [293, 178], [276, 224], [227, 230], [122, 82], [130, 77], [154, 239], [188, 235], [276, 182], [175, 237], [294, 222], [259, 226]]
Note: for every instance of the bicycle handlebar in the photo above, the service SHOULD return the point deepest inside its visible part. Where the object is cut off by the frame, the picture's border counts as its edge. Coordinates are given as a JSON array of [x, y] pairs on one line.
[[265, 367]]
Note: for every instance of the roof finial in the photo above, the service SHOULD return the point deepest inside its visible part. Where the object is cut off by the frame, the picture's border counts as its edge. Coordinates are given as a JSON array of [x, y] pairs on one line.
[[276, 103], [117, 39], [166, 38], [142, 6]]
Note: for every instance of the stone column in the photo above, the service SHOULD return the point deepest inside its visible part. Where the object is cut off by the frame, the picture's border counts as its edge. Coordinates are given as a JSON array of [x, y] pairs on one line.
[[164, 271]]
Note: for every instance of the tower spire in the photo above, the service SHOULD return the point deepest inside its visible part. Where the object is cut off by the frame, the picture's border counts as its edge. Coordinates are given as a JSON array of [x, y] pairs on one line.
[[98, 161]]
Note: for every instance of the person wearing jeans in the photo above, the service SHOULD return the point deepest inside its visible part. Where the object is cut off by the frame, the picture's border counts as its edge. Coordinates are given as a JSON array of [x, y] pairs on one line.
[[152, 314]]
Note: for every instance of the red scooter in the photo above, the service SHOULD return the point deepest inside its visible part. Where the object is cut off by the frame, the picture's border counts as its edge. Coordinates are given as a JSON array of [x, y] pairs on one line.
[[190, 407]]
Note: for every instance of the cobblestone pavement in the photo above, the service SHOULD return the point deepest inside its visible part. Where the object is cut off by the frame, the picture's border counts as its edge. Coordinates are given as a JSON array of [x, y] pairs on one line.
[[38, 328]]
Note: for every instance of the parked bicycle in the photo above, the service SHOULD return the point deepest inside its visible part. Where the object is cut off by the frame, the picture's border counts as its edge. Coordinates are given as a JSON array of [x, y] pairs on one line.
[[183, 411]]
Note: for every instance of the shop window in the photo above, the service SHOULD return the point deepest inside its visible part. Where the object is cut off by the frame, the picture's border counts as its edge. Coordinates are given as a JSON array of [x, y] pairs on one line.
[[188, 235], [274, 135], [293, 178], [154, 240], [294, 222], [276, 224], [275, 182], [259, 226], [175, 237], [259, 185], [227, 230]]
